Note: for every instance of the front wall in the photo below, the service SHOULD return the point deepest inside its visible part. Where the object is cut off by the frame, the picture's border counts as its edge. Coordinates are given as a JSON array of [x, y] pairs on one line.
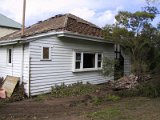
[[45, 74]]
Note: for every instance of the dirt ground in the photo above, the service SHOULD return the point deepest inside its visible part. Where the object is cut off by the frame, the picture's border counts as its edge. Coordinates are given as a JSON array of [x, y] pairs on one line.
[[36, 109], [81, 108], [73, 108]]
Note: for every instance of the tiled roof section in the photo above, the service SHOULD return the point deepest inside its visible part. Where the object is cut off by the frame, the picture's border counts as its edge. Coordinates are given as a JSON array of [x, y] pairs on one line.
[[67, 22]]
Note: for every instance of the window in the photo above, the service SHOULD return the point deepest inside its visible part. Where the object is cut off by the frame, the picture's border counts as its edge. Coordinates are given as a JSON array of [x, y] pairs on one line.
[[46, 55], [84, 61], [78, 60], [99, 60], [88, 60], [117, 51], [9, 56]]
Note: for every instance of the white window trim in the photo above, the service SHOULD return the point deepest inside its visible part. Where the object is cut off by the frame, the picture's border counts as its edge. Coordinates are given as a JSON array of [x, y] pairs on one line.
[[96, 68], [50, 53], [10, 64]]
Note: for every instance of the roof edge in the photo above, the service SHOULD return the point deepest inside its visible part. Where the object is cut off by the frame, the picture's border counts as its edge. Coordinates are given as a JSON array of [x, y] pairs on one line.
[[59, 34]]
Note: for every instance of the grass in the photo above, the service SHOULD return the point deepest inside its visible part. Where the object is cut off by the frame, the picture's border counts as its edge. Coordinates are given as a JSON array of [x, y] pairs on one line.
[[136, 108]]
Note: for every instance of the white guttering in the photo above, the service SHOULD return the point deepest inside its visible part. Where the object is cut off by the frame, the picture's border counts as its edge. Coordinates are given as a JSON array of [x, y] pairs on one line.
[[80, 36], [59, 34]]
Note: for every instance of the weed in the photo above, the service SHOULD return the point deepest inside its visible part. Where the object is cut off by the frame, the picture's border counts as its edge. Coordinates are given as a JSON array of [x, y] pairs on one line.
[[144, 90], [112, 97], [97, 100], [73, 90], [39, 98]]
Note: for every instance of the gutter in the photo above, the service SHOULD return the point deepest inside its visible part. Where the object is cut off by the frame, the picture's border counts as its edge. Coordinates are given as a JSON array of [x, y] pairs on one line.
[[85, 37]]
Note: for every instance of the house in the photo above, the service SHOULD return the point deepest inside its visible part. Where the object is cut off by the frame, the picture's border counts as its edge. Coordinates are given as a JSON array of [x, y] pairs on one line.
[[8, 25], [62, 49]]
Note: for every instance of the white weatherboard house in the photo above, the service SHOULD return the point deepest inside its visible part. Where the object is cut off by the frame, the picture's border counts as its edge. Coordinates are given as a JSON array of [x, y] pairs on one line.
[[62, 49]]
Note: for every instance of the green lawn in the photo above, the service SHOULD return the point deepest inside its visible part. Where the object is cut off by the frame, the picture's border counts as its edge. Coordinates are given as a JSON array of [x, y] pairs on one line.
[[129, 109]]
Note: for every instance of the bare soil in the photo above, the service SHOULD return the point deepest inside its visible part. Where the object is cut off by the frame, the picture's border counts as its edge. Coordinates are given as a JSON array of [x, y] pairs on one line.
[[78, 108], [70, 108]]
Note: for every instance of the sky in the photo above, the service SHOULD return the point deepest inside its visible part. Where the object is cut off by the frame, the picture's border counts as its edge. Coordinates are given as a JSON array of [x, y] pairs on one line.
[[99, 12]]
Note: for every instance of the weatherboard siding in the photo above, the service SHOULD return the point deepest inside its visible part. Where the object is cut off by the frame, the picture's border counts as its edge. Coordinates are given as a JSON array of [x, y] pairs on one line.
[[26, 68], [45, 74], [15, 69], [5, 31]]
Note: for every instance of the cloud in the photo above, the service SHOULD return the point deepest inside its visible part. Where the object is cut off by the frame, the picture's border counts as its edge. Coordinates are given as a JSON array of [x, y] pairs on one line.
[[100, 12]]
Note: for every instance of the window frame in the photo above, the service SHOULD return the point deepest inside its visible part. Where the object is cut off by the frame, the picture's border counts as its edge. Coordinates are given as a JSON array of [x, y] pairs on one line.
[[81, 62], [50, 53]]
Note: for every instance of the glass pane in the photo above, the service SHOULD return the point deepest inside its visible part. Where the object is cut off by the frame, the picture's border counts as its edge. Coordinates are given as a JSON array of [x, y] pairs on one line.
[[45, 52], [99, 57], [77, 65], [78, 56], [99, 64], [88, 60]]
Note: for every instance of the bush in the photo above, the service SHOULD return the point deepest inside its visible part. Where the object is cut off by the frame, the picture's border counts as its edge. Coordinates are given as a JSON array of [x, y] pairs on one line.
[[73, 90], [148, 89]]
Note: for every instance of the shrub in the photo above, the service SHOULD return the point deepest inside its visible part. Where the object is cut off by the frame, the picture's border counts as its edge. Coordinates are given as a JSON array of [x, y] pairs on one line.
[[73, 90], [148, 89]]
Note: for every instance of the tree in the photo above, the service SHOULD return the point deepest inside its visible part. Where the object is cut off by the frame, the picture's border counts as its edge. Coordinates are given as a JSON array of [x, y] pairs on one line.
[[135, 33]]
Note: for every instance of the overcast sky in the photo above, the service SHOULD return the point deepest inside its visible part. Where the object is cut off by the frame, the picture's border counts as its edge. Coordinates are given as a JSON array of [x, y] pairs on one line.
[[99, 12]]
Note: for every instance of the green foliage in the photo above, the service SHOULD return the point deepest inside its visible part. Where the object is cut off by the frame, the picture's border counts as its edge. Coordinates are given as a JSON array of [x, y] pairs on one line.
[[112, 97], [136, 35], [97, 100], [39, 98], [134, 21], [147, 89], [108, 66], [73, 90]]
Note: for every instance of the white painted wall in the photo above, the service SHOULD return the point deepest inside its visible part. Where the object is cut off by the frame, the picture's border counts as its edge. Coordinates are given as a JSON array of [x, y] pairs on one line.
[[5, 31], [15, 69], [45, 74]]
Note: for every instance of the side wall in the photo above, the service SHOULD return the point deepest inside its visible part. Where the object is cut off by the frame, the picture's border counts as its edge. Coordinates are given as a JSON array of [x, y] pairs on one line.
[[4, 31], [45, 74], [15, 69]]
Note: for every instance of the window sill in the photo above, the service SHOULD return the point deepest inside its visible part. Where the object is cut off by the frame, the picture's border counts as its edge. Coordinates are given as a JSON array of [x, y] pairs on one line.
[[45, 60], [87, 70]]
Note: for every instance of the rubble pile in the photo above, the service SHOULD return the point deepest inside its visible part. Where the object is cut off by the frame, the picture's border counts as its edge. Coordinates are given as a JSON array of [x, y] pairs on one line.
[[126, 82]]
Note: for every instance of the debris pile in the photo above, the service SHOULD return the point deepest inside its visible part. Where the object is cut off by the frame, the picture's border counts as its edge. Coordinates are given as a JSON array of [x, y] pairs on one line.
[[126, 82]]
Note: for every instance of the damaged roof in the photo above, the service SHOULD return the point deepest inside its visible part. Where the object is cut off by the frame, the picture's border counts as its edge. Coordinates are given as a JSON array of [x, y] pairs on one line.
[[66, 22]]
